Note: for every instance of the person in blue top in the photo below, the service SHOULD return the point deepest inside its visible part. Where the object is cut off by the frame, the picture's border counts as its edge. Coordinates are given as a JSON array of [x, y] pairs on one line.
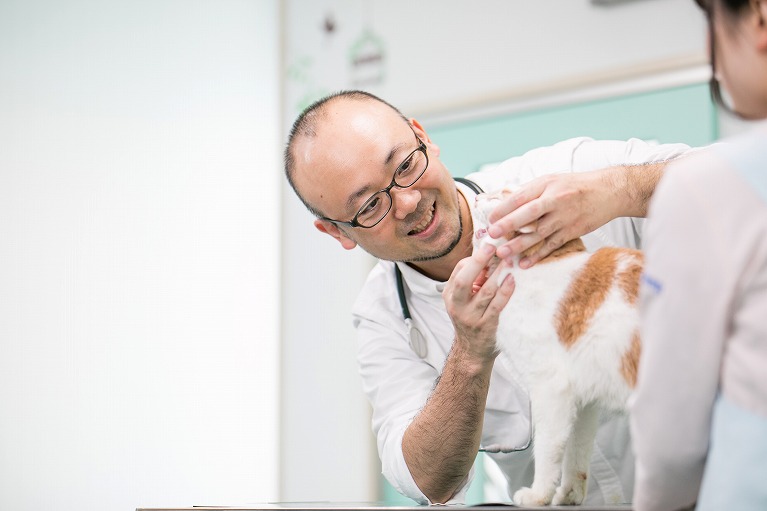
[[699, 414]]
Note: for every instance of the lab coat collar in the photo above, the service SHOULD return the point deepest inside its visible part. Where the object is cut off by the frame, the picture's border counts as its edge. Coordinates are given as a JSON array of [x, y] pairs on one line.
[[419, 283]]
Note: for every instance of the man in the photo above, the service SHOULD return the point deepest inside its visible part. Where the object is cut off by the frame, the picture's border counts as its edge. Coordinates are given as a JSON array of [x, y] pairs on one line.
[[373, 178]]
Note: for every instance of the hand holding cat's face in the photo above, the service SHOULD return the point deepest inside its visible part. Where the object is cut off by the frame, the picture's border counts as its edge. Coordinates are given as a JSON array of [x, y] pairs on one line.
[[485, 203]]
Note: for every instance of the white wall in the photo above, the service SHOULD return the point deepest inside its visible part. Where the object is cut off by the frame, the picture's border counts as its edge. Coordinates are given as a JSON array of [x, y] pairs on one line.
[[439, 56], [445, 54], [139, 296]]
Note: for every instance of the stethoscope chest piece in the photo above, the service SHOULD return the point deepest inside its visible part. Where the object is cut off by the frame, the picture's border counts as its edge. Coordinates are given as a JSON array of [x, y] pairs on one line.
[[417, 340]]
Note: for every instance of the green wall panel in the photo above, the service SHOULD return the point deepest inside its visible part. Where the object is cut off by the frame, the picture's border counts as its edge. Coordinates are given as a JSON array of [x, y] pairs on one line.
[[682, 114]]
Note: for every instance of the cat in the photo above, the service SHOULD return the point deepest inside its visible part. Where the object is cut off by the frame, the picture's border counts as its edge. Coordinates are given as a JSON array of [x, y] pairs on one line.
[[571, 332]]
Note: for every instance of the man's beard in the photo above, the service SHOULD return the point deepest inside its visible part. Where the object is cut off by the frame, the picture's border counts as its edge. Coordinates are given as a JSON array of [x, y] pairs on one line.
[[442, 253]]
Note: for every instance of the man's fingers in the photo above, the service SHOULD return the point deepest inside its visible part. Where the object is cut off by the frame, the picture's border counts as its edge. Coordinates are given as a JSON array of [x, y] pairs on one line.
[[486, 294], [518, 245], [469, 271], [523, 242], [527, 214], [500, 286], [517, 199], [551, 243], [479, 281]]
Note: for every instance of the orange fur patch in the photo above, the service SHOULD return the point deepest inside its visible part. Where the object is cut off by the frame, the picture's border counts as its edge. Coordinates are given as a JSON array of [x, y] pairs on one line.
[[585, 294], [630, 361], [570, 248]]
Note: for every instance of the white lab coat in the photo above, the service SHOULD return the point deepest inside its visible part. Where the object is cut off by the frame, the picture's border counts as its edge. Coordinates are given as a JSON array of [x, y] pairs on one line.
[[398, 382]]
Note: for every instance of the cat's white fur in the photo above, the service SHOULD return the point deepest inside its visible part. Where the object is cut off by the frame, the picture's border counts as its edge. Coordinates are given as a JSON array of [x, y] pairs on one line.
[[569, 381]]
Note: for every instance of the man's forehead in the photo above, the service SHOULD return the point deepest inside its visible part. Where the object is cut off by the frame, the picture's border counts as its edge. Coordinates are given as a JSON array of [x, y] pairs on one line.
[[350, 145], [353, 130], [359, 118]]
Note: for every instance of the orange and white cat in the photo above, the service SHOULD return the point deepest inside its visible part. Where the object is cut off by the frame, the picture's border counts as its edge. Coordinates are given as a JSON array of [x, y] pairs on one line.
[[570, 330]]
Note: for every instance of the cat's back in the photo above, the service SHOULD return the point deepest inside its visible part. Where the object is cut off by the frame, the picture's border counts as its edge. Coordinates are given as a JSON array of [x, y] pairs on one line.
[[551, 275], [611, 274], [540, 290], [597, 324], [574, 300]]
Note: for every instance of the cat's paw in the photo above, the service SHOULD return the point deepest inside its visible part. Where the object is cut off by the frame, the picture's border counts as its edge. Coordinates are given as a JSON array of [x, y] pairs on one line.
[[527, 497], [569, 495]]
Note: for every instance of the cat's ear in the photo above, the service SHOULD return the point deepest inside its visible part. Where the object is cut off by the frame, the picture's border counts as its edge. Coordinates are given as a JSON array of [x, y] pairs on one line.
[[332, 229]]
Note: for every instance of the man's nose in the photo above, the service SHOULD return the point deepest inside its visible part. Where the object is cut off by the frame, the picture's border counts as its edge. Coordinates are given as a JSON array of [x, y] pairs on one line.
[[404, 201]]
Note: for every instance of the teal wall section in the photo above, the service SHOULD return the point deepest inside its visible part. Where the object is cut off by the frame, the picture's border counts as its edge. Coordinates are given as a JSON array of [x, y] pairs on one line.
[[680, 114]]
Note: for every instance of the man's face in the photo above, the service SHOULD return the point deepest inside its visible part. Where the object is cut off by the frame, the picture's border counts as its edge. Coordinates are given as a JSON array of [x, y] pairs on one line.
[[356, 150]]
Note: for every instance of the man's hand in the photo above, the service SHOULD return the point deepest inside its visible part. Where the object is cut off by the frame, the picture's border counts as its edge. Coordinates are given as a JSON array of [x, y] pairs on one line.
[[441, 443], [474, 301], [567, 206]]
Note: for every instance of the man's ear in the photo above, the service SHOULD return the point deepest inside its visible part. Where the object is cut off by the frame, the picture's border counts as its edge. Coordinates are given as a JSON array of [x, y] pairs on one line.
[[333, 230], [433, 148]]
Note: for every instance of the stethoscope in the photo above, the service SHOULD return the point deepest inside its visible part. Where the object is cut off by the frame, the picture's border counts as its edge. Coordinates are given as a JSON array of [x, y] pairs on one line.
[[418, 341]]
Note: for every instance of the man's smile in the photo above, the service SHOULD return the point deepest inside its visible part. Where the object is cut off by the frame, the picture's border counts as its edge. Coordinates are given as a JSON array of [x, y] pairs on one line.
[[426, 221]]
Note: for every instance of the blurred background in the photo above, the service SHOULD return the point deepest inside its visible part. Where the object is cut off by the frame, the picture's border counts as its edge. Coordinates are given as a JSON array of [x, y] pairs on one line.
[[173, 330]]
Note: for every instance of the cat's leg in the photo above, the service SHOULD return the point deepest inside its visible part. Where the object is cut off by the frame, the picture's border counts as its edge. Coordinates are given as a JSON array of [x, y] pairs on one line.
[[553, 410], [575, 469]]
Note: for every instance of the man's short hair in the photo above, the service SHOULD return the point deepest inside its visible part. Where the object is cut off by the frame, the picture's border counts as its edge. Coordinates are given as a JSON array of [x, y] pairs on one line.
[[305, 125]]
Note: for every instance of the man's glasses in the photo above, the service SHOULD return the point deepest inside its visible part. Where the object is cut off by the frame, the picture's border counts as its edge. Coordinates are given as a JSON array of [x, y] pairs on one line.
[[378, 205]]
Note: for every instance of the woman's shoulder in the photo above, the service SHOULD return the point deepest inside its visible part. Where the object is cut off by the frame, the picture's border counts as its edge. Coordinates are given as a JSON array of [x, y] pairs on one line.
[[717, 170]]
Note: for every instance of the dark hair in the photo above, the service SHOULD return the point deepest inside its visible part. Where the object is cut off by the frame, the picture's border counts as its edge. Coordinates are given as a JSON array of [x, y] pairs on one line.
[[732, 9], [306, 125], [732, 6]]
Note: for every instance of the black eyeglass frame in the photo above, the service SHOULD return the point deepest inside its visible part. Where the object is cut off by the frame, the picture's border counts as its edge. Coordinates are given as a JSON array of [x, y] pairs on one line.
[[354, 223]]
